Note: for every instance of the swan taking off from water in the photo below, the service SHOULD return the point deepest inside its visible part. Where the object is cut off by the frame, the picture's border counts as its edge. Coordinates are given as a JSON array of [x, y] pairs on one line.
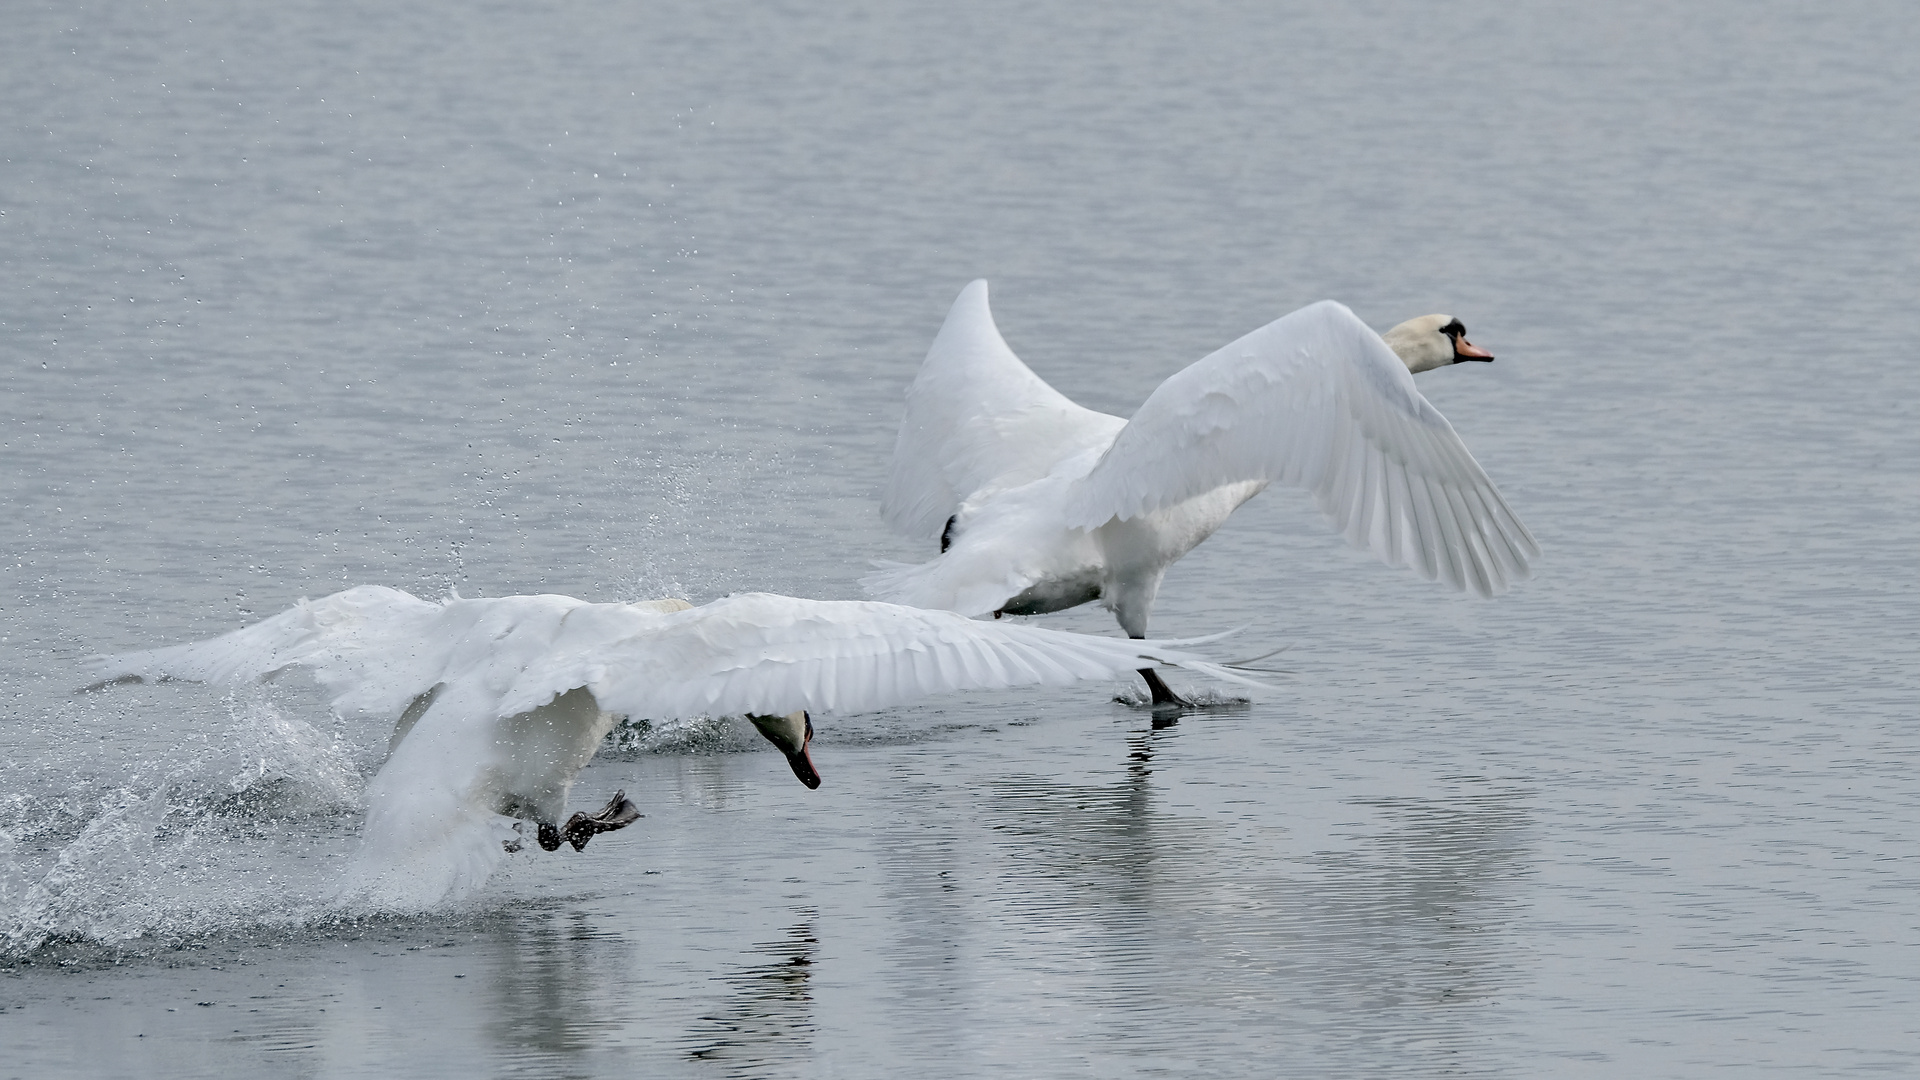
[[498, 703], [1040, 504]]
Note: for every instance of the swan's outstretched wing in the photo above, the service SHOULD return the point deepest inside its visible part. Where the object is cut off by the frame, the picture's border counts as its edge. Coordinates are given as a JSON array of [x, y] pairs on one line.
[[1316, 400], [458, 675], [373, 647], [977, 418], [767, 654], [381, 650]]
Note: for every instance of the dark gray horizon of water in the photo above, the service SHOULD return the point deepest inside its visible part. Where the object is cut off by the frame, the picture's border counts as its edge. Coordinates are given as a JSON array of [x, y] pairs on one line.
[[621, 302]]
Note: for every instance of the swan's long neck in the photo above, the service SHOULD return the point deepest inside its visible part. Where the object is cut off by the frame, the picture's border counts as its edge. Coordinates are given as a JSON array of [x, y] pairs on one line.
[[791, 733], [1419, 343]]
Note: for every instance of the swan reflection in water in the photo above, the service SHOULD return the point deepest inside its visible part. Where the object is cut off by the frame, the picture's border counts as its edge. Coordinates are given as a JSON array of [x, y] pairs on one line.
[[767, 1020], [560, 983], [1348, 922]]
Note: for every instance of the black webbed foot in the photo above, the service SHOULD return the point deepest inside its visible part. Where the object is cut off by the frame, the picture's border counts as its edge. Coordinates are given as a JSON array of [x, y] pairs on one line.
[[582, 826], [1164, 699]]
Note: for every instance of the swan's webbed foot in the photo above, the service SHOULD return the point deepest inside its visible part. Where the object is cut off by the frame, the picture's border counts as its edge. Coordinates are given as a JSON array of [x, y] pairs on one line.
[[1164, 699], [582, 826], [1168, 707]]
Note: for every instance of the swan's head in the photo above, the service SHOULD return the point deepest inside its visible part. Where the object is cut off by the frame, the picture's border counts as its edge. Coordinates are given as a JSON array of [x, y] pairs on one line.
[[1432, 341], [791, 733]]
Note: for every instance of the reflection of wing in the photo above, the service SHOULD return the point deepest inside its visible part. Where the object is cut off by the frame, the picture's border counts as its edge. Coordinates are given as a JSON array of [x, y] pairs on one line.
[[379, 649], [1316, 400], [978, 418]]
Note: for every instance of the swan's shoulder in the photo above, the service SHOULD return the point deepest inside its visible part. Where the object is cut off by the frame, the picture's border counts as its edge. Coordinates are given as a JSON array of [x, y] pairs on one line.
[[977, 418]]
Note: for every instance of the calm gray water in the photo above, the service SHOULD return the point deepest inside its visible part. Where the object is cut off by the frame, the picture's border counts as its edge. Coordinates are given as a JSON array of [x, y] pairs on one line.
[[620, 301]]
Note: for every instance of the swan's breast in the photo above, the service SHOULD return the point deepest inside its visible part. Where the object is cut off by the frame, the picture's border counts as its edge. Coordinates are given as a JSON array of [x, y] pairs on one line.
[[537, 753], [1162, 537]]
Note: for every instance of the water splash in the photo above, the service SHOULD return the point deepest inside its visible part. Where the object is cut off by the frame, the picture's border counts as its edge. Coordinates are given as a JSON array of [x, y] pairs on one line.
[[193, 843], [287, 756], [695, 735], [1203, 698]]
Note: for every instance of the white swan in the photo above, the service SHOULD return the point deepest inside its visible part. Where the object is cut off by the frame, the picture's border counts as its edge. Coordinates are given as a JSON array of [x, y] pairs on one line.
[[1040, 504], [498, 703]]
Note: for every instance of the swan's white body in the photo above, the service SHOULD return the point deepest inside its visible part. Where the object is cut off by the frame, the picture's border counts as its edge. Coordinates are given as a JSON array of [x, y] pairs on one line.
[[1048, 504], [498, 703]]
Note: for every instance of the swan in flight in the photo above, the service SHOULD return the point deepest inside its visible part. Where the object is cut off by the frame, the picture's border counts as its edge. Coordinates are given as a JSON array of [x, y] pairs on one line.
[[1040, 504], [497, 704]]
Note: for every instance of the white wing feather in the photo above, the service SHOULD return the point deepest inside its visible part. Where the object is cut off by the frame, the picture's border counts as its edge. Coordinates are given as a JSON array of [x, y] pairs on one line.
[[375, 648], [978, 419], [760, 653], [380, 649], [1316, 400]]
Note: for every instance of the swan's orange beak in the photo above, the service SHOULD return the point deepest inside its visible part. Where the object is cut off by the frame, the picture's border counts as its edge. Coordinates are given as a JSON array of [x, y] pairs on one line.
[[1467, 350]]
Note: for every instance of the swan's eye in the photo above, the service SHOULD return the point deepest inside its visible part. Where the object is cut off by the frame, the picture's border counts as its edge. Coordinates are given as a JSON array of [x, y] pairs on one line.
[[1454, 329]]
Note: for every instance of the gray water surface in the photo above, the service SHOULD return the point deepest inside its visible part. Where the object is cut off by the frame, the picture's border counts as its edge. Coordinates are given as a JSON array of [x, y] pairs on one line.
[[620, 302]]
